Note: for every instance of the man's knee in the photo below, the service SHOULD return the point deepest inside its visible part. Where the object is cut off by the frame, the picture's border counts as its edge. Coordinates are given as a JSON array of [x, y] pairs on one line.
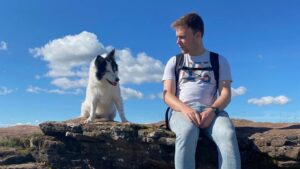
[[188, 134], [226, 133]]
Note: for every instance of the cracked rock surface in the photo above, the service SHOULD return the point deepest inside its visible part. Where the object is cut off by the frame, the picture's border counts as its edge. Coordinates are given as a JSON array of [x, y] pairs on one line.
[[107, 144]]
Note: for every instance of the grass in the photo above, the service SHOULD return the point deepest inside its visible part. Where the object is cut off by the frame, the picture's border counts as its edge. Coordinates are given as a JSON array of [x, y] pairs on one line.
[[17, 142]]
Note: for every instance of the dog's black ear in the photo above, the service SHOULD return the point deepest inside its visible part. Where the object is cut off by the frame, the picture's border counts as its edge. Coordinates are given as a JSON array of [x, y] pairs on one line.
[[111, 55], [99, 60], [100, 65]]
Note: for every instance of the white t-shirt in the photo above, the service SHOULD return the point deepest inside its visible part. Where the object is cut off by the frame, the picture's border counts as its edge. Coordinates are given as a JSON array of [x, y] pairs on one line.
[[197, 85]]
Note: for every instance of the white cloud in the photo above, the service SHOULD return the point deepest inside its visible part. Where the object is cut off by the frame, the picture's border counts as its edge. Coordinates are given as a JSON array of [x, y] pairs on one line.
[[66, 83], [155, 96], [69, 57], [238, 91], [267, 100], [36, 122], [138, 70], [128, 93], [32, 89], [5, 91], [65, 55], [20, 124], [152, 96], [37, 90], [3, 45]]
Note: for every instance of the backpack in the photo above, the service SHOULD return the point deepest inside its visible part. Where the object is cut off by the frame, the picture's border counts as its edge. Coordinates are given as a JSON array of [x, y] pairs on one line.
[[214, 60]]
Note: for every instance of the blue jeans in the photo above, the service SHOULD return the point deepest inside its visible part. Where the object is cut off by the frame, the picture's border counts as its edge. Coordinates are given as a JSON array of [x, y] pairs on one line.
[[221, 131]]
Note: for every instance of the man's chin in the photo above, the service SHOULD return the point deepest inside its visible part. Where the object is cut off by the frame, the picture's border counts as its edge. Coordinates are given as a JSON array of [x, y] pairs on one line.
[[184, 51]]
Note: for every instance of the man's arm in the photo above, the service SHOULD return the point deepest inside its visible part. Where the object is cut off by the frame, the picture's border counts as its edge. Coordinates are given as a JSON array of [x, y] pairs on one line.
[[177, 105], [221, 103], [225, 95]]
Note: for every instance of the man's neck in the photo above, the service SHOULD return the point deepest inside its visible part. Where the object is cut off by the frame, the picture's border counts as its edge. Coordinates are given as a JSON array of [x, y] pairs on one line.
[[197, 52]]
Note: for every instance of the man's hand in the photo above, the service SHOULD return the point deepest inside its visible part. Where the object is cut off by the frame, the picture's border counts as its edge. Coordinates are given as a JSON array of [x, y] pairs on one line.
[[206, 117], [191, 115]]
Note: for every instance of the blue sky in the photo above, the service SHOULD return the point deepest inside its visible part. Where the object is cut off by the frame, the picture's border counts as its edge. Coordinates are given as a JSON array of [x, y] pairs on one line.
[[46, 46]]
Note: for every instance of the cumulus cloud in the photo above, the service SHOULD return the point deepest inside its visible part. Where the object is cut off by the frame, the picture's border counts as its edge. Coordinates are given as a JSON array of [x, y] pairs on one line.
[[128, 93], [155, 96], [138, 69], [238, 91], [3, 45], [5, 91], [38, 90], [281, 100], [36, 122], [68, 60], [66, 83], [65, 55]]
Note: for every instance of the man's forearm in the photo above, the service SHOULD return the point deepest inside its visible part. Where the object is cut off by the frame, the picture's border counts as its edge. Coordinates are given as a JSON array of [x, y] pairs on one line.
[[225, 96], [174, 103], [221, 103]]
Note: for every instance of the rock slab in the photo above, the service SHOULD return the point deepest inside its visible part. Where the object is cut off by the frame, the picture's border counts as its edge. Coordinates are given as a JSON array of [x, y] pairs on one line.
[[102, 144]]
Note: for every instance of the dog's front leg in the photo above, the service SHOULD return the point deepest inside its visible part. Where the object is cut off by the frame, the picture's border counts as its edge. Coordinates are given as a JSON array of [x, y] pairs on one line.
[[119, 105], [120, 109], [92, 115]]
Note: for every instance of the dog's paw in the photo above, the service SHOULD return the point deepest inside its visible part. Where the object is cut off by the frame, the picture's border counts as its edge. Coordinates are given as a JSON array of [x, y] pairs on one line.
[[124, 120], [88, 121], [127, 123]]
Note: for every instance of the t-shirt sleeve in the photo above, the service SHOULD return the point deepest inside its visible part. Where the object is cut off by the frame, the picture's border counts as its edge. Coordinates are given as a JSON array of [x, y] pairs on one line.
[[169, 72], [225, 72]]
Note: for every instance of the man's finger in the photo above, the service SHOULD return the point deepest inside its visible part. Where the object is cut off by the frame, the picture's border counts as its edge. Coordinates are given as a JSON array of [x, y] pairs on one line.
[[193, 118], [198, 118]]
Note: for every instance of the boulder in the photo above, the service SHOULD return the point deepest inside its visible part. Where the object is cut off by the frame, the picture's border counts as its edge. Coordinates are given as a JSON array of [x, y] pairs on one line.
[[114, 145]]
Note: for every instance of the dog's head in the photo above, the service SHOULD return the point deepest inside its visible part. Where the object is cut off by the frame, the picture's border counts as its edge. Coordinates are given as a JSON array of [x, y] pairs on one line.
[[107, 68]]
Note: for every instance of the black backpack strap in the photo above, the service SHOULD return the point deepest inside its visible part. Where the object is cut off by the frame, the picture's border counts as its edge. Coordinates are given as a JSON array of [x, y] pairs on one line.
[[178, 66], [167, 118], [214, 60]]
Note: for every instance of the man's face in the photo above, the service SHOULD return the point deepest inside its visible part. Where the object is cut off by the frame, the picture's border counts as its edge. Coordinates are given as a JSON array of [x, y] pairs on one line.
[[186, 39]]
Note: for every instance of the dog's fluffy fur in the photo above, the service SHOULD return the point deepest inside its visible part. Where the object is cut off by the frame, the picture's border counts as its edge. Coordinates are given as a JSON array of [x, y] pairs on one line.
[[103, 94]]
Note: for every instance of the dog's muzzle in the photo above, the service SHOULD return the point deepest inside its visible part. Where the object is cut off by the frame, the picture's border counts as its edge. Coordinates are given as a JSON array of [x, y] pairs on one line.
[[113, 83]]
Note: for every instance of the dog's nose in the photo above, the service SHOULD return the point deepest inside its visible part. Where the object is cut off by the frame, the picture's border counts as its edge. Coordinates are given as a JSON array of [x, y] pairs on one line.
[[117, 79]]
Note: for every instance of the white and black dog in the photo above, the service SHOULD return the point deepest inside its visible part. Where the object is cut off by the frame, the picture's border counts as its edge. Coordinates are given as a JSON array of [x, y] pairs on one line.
[[103, 93]]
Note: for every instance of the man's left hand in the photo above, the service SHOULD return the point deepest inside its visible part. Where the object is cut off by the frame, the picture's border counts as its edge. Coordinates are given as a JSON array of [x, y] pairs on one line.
[[207, 117]]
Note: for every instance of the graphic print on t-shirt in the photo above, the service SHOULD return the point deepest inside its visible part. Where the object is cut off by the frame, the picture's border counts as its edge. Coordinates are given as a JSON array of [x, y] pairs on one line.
[[198, 76]]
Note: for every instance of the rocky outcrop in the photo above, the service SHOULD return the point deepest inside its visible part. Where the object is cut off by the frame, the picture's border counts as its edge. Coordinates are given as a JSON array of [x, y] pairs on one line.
[[104, 145], [113, 145], [264, 144]]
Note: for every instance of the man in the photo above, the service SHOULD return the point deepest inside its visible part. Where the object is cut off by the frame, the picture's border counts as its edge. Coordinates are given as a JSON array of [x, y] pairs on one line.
[[196, 107]]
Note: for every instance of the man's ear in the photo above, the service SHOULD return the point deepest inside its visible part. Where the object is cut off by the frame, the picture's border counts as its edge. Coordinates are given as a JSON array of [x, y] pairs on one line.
[[198, 34]]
